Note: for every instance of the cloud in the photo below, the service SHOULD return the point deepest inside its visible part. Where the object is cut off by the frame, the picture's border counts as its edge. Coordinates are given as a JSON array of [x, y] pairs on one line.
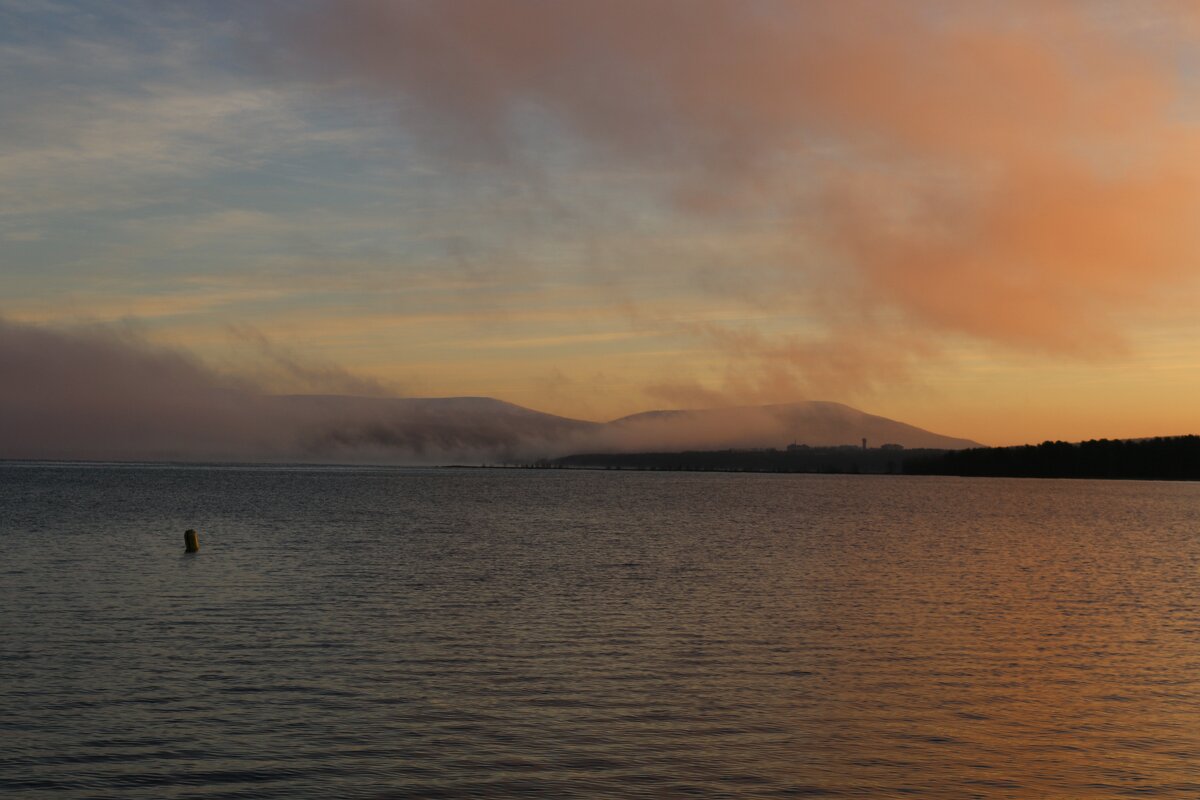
[[120, 106], [775, 368], [283, 370], [106, 392], [1022, 173]]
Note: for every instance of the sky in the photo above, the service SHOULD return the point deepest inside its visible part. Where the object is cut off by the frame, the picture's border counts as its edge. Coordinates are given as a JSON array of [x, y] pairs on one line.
[[979, 218]]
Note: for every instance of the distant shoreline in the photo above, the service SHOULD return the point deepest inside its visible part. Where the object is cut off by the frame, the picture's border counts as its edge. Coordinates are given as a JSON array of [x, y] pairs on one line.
[[1171, 458], [1175, 458]]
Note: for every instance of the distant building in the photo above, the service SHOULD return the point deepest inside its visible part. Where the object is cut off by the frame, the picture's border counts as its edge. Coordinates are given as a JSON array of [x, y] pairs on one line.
[[892, 447], [793, 447]]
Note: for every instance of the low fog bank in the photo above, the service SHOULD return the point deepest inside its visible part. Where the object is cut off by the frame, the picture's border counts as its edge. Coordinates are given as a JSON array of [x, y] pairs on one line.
[[814, 423], [100, 393], [427, 430], [103, 394]]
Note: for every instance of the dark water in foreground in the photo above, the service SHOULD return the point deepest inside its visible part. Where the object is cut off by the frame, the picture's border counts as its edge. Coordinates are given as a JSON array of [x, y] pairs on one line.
[[441, 633]]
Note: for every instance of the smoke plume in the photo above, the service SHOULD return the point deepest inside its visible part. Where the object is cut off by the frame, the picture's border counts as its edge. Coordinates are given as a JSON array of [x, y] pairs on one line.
[[99, 393], [1019, 173]]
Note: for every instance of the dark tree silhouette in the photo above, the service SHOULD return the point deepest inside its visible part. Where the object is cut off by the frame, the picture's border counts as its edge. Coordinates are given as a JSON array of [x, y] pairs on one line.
[[1164, 458]]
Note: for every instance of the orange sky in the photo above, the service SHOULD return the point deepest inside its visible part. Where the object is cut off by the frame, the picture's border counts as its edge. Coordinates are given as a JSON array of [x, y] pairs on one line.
[[977, 218]]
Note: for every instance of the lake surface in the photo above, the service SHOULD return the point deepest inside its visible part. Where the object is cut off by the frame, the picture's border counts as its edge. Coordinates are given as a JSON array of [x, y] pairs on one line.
[[391, 633]]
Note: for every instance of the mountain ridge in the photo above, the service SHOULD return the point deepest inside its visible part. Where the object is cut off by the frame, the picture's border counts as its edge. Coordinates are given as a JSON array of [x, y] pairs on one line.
[[463, 427], [174, 417]]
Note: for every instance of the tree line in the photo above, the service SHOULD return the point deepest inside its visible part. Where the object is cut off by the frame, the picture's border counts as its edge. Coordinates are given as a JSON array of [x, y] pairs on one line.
[[1160, 458]]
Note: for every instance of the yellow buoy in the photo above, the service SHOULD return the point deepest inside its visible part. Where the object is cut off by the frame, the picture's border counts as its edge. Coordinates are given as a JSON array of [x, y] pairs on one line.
[[191, 541]]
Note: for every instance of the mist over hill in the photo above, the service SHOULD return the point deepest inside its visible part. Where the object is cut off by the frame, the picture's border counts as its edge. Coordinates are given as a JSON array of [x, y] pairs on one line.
[[329, 428], [99, 395], [814, 423], [426, 429], [473, 428]]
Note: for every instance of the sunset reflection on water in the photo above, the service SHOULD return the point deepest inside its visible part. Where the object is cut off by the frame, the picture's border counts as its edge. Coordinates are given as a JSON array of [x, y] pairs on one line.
[[392, 633]]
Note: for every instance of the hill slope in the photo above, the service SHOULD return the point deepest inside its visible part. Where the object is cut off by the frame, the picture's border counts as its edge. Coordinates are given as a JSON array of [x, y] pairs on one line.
[[428, 428], [815, 423], [473, 428]]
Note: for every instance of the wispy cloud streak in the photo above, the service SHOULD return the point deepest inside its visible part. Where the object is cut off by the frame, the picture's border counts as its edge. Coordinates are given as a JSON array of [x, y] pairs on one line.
[[1015, 172]]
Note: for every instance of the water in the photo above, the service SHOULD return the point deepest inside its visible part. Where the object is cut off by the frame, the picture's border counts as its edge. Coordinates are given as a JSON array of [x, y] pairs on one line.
[[478, 633]]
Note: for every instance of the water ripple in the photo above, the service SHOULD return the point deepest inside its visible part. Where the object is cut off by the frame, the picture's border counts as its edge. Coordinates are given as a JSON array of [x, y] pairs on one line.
[[441, 633]]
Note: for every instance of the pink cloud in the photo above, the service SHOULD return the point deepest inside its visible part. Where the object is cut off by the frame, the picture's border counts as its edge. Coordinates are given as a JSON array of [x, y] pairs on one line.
[[1015, 172]]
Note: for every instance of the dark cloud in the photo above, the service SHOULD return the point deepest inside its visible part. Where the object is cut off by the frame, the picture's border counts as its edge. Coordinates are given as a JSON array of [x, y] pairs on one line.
[[107, 393], [103, 393]]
